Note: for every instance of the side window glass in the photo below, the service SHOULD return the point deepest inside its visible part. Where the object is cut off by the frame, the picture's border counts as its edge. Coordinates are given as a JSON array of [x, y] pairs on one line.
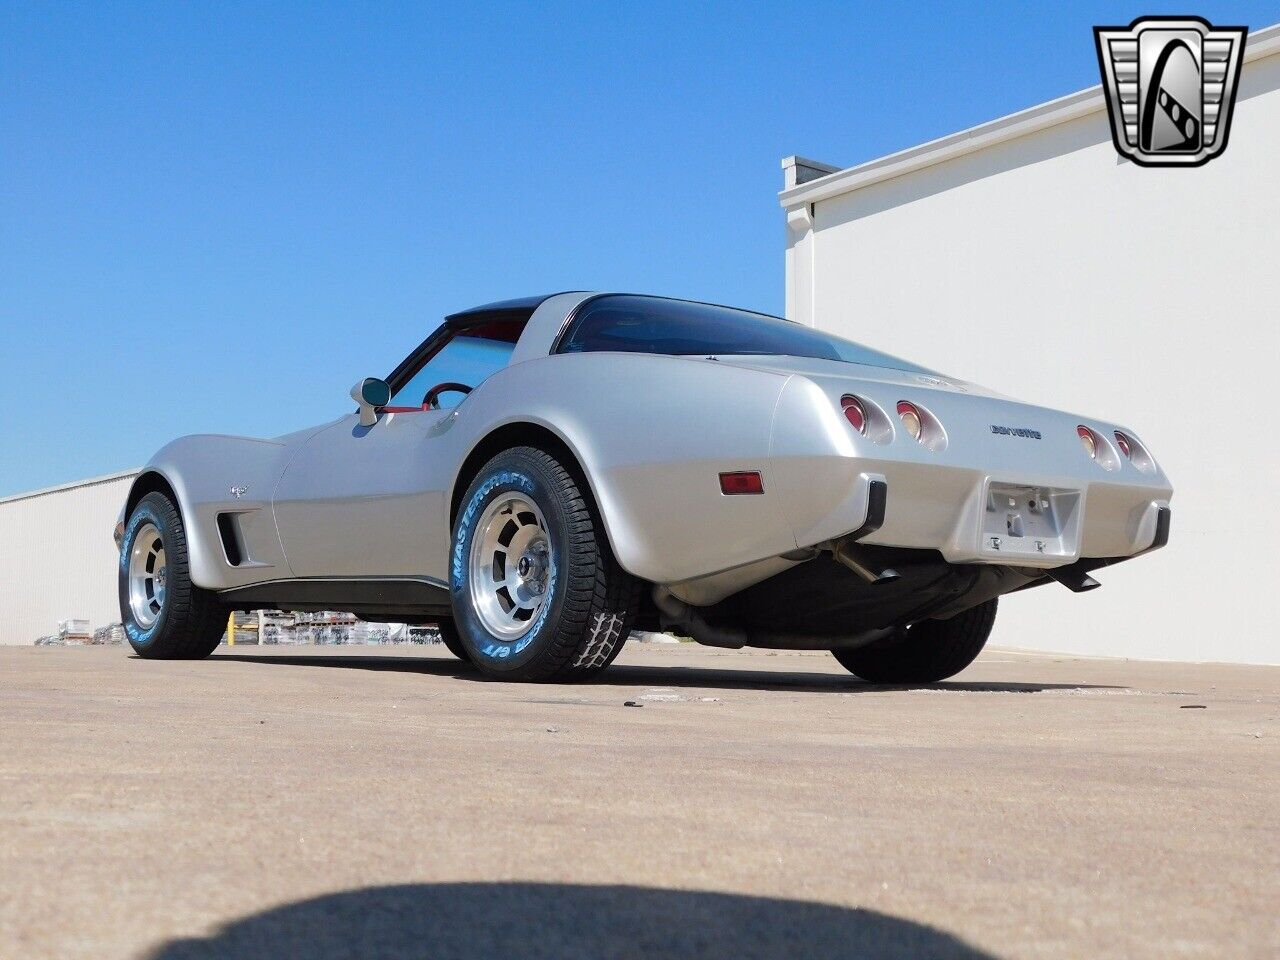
[[465, 359]]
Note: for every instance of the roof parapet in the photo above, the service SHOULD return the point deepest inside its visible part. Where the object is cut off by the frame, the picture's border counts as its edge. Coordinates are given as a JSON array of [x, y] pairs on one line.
[[798, 170], [1261, 43]]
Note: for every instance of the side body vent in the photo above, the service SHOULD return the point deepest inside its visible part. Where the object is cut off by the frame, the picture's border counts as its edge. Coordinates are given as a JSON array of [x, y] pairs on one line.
[[229, 533]]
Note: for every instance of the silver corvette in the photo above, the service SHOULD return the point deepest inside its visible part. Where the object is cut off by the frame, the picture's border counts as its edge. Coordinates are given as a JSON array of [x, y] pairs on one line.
[[540, 477]]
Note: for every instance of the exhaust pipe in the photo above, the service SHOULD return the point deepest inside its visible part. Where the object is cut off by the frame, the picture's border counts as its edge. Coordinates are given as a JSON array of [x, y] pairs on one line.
[[676, 613], [857, 560], [1074, 579], [686, 619], [846, 549]]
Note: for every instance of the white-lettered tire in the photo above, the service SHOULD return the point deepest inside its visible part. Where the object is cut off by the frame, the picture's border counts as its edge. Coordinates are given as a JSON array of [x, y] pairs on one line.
[[165, 615], [536, 591], [925, 652]]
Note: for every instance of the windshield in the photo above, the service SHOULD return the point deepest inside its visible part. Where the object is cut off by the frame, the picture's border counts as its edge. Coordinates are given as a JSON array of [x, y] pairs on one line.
[[634, 324]]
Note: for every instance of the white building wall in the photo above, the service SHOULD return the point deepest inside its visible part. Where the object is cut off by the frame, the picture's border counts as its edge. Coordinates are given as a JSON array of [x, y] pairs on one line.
[[59, 561], [1046, 268]]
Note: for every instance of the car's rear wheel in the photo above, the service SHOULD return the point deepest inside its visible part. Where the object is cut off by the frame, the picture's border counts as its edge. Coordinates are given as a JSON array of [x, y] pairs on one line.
[[165, 615], [537, 593], [924, 652]]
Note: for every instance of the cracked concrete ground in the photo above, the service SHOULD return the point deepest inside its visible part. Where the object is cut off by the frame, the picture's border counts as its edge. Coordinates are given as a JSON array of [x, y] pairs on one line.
[[386, 802]]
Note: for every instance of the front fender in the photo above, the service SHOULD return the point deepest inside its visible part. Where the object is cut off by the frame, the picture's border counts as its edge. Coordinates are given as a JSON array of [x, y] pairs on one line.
[[215, 474]]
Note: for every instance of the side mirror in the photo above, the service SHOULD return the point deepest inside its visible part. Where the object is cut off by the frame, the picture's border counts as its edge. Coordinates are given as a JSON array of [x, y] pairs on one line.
[[370, 393]]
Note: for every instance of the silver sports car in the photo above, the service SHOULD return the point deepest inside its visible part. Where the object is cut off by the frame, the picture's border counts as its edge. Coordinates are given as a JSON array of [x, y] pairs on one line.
[[540, 477]]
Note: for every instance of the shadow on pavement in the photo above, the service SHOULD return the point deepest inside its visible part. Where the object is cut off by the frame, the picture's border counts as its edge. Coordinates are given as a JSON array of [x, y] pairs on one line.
[[664, 676], [470, 921], [679, 676]]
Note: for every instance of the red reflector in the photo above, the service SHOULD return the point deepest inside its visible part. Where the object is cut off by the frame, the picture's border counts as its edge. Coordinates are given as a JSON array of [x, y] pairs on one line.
[[745, 482]]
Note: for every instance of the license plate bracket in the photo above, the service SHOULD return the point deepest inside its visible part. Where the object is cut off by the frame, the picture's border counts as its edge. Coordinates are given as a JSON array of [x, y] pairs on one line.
[[1035, 524]]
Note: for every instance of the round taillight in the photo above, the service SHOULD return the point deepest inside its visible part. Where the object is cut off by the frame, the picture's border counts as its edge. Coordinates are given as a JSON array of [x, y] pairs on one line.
[[1089, 441], [1123, 443], [855, 413], [912, 422]]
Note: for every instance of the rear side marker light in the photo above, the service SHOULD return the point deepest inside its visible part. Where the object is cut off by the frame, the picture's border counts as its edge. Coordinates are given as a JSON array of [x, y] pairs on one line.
[[855, 413], [732, 484], [912, 422], [1089, 440]]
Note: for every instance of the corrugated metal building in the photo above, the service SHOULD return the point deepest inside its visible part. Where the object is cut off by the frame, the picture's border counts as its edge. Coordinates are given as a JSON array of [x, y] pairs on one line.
[[59, 562]]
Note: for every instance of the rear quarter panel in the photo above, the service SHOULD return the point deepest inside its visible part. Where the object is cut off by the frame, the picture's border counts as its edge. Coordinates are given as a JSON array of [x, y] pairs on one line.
[[653, 433]]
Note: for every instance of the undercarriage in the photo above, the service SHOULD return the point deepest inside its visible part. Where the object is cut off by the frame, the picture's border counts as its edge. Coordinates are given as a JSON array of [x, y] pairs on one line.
[[828, 602]]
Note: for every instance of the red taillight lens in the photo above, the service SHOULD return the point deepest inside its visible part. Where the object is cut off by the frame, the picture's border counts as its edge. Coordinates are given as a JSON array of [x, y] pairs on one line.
[[855, 413], [747, 481], [1089, 441], [1123, 443], [912, 422]]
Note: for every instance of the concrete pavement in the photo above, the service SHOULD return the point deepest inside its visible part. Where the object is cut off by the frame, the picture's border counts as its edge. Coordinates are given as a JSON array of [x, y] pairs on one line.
[[386, 802]]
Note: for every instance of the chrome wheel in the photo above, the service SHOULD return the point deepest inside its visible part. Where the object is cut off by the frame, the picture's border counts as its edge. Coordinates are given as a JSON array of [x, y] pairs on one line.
[[511, 566], [147, 572]]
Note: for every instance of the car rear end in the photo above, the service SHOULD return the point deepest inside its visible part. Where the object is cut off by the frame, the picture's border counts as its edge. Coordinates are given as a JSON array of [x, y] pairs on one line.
[[977, 477]]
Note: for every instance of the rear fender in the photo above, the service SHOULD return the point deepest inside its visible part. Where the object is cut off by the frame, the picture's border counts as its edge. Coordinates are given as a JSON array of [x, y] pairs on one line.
[[652, 434]]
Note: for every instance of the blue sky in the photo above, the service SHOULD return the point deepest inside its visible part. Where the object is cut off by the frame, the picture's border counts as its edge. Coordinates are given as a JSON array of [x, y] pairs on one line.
[[216, 217]]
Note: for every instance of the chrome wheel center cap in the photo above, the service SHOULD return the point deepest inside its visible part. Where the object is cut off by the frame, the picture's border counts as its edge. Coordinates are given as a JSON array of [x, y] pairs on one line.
[[531, 568]]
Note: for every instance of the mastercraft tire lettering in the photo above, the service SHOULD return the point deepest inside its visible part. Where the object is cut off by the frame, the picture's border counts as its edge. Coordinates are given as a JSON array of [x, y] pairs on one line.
[[536, 592]]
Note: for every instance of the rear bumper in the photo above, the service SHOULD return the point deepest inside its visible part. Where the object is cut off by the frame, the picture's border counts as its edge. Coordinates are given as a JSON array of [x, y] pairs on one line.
[[1011, 519]]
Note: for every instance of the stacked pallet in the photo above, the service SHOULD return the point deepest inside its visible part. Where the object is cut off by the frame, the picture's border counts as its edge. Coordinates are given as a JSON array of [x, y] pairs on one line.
[[245, 627], [74, 631], [111, 634]]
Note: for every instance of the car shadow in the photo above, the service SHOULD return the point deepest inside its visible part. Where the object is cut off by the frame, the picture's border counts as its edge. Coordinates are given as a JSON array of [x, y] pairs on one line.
[[663, 676], [480, 921]]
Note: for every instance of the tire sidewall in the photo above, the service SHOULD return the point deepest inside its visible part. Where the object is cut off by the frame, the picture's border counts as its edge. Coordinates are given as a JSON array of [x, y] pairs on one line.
[[145, 512], [507, 473]]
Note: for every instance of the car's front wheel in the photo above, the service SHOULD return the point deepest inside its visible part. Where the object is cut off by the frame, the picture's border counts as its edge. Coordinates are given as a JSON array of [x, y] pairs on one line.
[[924, 652], [536, 591], [165, 615]]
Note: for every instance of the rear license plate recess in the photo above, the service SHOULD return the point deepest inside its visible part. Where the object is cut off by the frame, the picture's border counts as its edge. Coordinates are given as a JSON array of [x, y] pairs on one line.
[[1030, 521]]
